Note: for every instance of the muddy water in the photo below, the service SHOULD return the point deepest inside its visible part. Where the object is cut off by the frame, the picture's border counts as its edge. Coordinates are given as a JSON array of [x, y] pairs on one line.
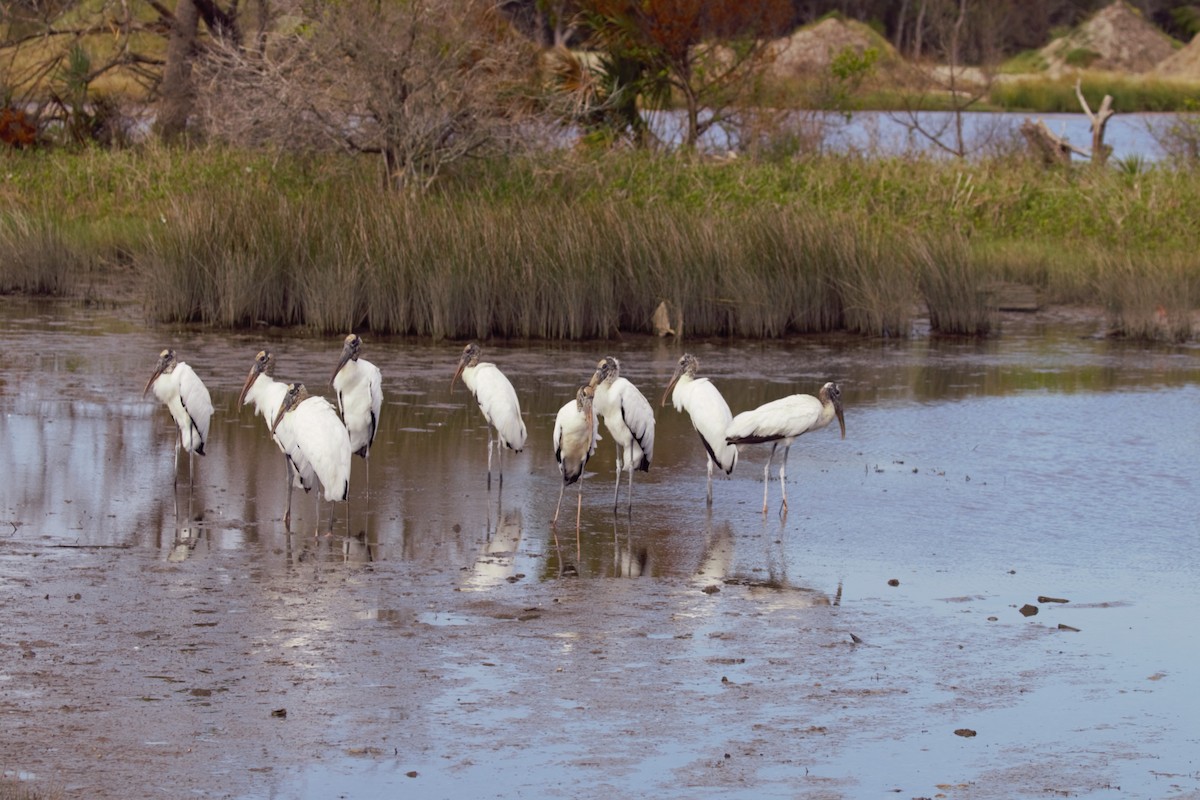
[[186, 644]]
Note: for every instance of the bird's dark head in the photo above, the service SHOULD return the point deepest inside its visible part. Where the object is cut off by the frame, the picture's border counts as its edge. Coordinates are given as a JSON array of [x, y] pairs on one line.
[[687, 365], [350, 347], [165, 365], [296, 394], [832, 393], [264, 364], [469, 358], [607, 369], [583, 401]]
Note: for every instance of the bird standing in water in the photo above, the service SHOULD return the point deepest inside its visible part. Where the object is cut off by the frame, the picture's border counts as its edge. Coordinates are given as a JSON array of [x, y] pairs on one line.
[[575, 437], [629, 419], [321, 439], [708, 411], [177, 387], [782, 421], [497, 400], [267, 395], [359, 387]]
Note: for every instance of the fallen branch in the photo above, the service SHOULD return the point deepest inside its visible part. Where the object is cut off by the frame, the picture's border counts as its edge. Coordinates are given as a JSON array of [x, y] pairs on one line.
[[1099, 120]]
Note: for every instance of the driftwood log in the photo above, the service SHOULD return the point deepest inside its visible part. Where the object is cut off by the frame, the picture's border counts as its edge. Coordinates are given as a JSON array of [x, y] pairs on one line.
[[1053, 149]]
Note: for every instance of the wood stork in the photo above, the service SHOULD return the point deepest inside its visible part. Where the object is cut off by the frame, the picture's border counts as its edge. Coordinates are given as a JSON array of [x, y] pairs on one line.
[[183, 393], [576, 432], [782, 421], [267, 395], [708, 411], [359, 387], [497, 400], [629, 419], [320, 438]]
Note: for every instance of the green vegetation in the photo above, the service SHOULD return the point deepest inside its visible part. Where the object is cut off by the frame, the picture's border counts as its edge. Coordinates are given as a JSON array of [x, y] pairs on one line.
[[583, 245], [1130, 93]]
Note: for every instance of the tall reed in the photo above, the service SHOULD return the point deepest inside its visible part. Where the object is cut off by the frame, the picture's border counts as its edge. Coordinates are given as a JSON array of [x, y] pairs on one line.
[[36, 257], [1150, 298], [548, 269], [952, 285]]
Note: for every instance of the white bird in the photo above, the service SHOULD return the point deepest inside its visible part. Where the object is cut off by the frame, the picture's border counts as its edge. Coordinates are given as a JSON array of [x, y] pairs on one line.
[[576, 432], [359, 387], [708, 411], [782, 421], [320, 438], [183, 393], [629, 419], [497, 400], [267, 395]]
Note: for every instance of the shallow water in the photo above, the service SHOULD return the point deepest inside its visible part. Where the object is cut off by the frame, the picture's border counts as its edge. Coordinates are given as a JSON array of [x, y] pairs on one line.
[[432, 645]]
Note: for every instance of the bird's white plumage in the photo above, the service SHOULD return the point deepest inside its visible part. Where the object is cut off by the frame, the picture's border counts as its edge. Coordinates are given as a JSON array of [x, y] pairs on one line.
[[629, 420], [359, 387], [710, 417], [322, 440], [185, 396], [497, 400], [266, 394], [780, 420], [575, 437]]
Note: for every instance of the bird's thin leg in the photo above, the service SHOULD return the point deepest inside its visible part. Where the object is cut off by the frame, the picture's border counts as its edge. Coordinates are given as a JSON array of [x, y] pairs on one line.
[[287, 515], [710, 471], [176, 462], [500, 460], [489, 485], [559, 508], [783, 479], [578, 515], [617, 488], [767, 474], [367, 471], [629, 494], [191, 470]]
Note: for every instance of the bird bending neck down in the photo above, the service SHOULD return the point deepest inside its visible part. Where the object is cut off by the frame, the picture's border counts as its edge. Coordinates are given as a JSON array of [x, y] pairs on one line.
[[628, 417]]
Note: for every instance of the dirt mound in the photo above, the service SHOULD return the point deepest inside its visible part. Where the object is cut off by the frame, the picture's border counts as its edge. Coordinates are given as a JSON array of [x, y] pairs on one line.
[[1116, 38], [1183, 63], [811, 49]]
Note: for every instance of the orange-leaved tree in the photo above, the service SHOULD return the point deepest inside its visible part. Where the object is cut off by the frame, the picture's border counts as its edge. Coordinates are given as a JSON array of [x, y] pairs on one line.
[[706, 55]]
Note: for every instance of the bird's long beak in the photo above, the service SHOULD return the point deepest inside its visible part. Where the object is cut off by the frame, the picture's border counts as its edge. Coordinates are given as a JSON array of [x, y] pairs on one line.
[[279, 416], [341, 363], [837, 409], [595, 381], [462, 364], [670, 386], [249, 382], [150, 382]]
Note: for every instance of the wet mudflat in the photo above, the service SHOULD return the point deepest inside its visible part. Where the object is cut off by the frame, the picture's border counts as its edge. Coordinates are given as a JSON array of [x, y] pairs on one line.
[[869, 644]]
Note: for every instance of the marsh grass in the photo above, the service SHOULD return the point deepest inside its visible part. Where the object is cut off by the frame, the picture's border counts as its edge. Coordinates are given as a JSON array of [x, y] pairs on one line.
[[549, 269], [1057, 95], [586, 245], [1151, 299], [953, 286], [36, 257]]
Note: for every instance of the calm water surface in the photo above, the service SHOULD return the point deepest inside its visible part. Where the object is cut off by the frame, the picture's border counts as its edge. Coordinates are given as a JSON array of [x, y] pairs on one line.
[[979, 475]]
